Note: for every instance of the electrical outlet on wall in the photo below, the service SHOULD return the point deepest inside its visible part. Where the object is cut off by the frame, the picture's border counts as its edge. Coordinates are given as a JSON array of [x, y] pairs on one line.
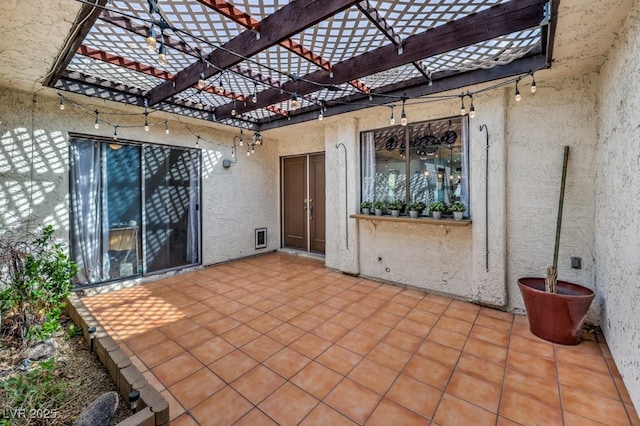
[[576, 262]]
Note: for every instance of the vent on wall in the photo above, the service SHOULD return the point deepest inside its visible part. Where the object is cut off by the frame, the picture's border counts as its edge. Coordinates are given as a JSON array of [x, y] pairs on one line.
[[261, 238]]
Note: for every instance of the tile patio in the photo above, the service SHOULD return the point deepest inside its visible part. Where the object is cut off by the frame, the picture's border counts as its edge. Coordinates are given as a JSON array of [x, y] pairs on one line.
[[279, 339]]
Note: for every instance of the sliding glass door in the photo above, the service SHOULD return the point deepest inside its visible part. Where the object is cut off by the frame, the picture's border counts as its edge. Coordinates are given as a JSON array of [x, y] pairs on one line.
[[170, 177], [134, 209]]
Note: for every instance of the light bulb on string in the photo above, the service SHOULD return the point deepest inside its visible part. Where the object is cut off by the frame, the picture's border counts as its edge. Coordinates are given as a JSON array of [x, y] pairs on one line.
[[61, 103], [233, 111], [162, 55], [146, 121], [463, 111], [115, 132], [518, 96], [201, 82], [392, 119], [97, 123], [533, 84], [151, 39], [166, 127], [472, 110], [294, 104], [254, 96], [403, 115]]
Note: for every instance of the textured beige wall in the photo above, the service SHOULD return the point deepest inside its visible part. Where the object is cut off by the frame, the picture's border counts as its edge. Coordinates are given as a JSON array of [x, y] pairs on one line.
[[617, 218], [561, 112], [34, 176]]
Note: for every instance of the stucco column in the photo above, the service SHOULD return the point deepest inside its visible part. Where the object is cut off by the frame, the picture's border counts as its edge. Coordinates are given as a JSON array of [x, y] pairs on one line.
[[342, 189]]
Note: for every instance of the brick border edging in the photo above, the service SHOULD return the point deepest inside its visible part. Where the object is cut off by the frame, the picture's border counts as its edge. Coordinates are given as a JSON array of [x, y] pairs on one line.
[[153, 409]]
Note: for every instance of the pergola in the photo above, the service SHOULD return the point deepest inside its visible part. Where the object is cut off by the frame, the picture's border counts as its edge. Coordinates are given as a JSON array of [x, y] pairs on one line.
[[242, 63]]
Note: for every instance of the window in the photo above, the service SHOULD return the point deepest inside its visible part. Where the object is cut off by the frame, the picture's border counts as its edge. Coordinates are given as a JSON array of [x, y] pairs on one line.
[[134, 209], [420, 162]]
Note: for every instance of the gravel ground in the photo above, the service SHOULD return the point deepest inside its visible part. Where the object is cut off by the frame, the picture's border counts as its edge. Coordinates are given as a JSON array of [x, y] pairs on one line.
[[76, 365]]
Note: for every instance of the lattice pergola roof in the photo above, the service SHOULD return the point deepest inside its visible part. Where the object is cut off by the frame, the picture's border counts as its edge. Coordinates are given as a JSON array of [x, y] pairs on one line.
[[334, 55]]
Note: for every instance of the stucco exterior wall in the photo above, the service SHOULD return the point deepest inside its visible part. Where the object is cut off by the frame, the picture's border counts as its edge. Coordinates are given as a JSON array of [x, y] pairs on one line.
[[34, 155], [561, 113], [617, 222]]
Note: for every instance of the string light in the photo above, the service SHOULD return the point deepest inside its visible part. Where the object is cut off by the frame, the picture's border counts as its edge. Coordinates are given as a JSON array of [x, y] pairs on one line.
[[151, 39], [146, 120], [403, 115], [463, 111], [97, 123], [254, 96], [197, 141], [115, 132], [518, 96], [392, 119], [294, 104], [61, 103], [472, 109], [162, 55], [233, 111], [166, 127], [257, 138], [201, 81], [533, 84]]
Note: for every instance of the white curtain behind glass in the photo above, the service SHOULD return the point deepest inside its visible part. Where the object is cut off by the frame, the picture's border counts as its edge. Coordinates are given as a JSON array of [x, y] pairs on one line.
[[89, 230], [368, 156]]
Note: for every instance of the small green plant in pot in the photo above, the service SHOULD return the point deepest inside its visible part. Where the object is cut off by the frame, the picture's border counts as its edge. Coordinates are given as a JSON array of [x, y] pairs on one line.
[[395, 207], [414, 208], [436, 208], [378, 205], [365, 207], [457, 208]]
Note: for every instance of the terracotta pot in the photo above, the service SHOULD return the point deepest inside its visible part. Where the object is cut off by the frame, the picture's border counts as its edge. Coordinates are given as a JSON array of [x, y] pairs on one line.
[[558, 317]]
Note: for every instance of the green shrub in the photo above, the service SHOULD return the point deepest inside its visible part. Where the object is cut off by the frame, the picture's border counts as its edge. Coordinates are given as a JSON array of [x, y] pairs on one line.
[[39, 390], [34, 283]]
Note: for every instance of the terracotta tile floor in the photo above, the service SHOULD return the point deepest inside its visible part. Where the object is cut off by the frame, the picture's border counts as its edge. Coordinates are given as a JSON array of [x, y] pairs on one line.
[[279, 339]]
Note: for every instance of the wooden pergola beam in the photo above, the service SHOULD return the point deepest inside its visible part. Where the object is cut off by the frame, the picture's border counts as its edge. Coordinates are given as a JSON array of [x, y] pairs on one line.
[[280, 25], [485, 25]]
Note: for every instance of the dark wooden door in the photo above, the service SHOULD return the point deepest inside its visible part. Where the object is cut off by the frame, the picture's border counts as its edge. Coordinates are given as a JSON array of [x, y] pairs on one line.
[[294, 190], [303, 195], [316, 203]]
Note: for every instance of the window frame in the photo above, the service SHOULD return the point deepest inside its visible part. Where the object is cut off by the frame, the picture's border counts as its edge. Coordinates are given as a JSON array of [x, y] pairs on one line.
[[463, 180]]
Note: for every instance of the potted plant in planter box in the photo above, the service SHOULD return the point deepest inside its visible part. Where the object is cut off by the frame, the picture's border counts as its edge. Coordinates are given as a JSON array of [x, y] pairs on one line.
[[415, 208], [378, 205], [436, 208], [365, 206], [395, 207], [556, 309], [457, 208]]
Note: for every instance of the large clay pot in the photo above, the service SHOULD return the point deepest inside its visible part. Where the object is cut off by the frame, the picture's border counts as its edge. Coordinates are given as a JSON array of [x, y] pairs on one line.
[[558, 317]]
